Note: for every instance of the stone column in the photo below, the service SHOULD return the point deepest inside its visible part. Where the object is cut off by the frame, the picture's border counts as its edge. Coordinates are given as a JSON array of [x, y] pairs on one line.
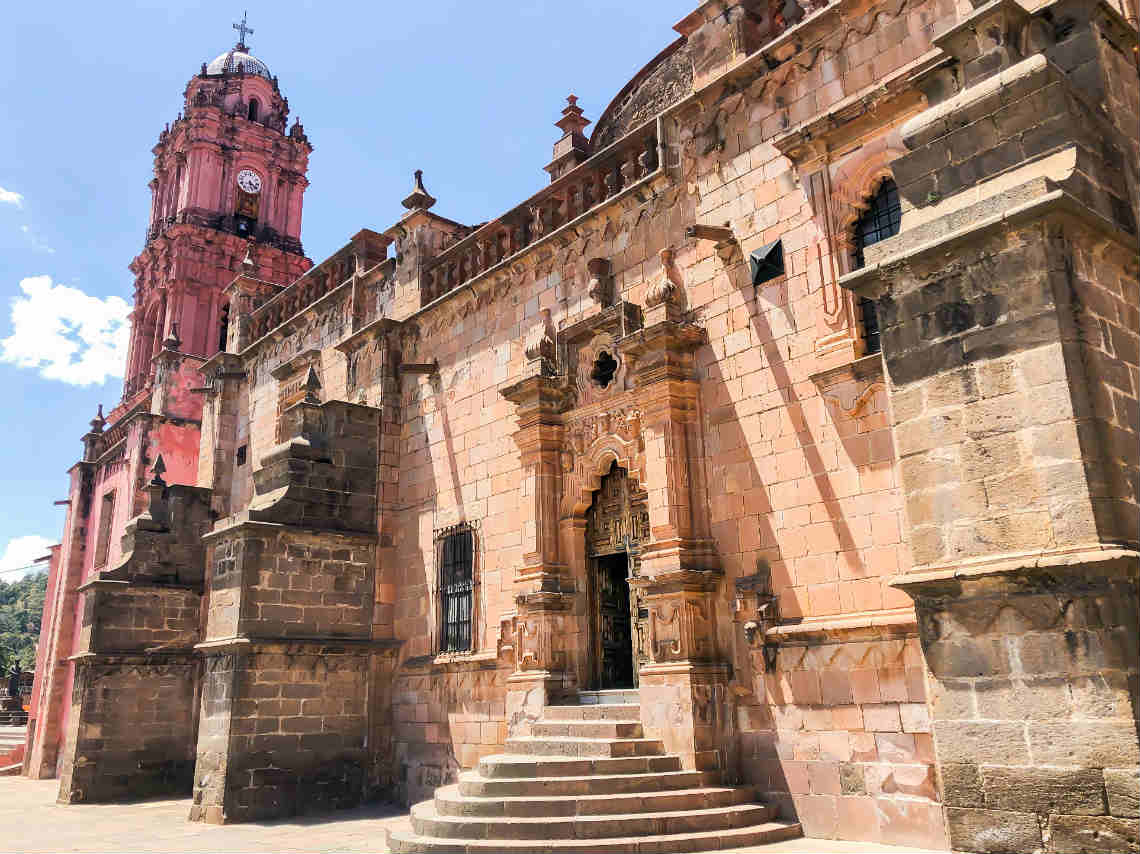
[[1008, 305], [544, 592], [684, 686]]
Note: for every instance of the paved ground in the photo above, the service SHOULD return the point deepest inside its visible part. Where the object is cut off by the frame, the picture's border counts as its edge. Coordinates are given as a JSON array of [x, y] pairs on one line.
[[31, 821]]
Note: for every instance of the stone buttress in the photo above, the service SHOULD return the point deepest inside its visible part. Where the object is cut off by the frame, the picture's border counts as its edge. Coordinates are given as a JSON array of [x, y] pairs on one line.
[[1009, 311]]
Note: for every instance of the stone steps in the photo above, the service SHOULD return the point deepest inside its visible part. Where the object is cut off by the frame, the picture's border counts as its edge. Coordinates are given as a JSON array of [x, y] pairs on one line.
[[574, 746], [450, 801], [587, 729], [501, 765], [588, 780], [402, 842], [614, 696], [617, 712], [428, 821], [471, 783]]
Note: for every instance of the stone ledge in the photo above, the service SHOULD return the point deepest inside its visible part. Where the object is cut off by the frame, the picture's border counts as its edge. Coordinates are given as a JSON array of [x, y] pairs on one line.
[[232, 524], [862, 281], [1114, 560], [487, 660], [253, 643], [895, 623], [863, 368]]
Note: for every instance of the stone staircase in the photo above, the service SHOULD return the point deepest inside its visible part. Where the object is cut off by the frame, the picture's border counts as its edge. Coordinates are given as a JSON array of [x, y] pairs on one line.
[[588, 780]]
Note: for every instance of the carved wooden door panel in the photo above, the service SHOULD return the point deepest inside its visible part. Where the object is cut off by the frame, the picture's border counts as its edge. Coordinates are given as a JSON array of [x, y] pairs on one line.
[[617, 524]]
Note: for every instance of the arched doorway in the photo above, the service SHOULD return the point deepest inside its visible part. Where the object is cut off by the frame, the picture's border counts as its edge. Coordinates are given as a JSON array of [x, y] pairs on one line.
[[617, 525]]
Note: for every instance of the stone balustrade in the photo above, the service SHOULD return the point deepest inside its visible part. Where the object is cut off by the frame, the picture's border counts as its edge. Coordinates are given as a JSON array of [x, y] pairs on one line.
[[627, 162]]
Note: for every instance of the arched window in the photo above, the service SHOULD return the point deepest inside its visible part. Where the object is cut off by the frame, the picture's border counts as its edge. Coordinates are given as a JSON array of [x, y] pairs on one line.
[[253, 109], [880, 221]]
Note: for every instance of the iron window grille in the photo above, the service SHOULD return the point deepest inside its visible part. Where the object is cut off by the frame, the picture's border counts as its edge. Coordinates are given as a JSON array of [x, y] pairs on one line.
[[880, 221], [455, 547]]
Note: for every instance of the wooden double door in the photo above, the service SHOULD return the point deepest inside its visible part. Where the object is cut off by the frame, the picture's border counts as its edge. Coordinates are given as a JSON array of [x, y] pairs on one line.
[[617, 525]]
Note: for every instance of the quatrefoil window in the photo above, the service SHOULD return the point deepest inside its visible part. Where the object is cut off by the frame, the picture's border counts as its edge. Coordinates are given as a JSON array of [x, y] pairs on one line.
[[605, 366]]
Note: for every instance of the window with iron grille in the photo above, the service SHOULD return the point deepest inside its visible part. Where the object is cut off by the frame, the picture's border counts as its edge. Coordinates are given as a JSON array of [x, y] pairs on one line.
[[456, 549], [880, 221]]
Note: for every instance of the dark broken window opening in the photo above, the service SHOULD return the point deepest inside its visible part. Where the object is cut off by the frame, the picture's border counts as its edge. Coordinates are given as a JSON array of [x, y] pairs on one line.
[[605, 366]]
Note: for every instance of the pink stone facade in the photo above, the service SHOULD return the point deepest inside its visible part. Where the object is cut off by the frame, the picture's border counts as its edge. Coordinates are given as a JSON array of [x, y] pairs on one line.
[[868, 585]]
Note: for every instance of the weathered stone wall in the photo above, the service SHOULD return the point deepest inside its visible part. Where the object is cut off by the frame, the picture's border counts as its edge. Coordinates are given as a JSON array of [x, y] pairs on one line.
[[850, 744], [273, 583], [1035, 703], [131, 729], [283, 732], [446, 717]]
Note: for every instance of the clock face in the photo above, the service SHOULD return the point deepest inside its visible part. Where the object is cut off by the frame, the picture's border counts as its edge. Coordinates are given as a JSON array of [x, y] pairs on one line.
[[249, 181]]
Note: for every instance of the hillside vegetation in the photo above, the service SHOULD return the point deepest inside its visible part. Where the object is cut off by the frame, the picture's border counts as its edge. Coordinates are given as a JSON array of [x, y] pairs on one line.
[[21, 605]]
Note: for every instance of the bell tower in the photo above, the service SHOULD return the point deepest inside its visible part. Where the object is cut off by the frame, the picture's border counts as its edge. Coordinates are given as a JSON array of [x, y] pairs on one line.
[[226, 197]]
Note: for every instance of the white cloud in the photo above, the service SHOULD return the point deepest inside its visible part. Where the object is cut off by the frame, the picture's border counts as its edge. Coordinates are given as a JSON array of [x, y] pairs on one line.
[[35, 240], [21, 553], [66, 334], [11, 197]]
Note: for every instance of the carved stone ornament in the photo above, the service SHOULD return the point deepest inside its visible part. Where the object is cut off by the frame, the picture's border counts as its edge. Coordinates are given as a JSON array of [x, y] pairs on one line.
[[600, 288], [669, 287], [601, 369], [539, 342]]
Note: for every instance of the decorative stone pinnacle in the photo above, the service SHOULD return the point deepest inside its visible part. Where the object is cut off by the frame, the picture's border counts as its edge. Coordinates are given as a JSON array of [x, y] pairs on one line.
[[158, 469], [572, 121], [666, 289], [420, 199], [98, 421], [172, 342], [312, 386]]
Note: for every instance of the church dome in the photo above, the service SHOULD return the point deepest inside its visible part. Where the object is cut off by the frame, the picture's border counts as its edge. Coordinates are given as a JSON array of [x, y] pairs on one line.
[[236, 60]]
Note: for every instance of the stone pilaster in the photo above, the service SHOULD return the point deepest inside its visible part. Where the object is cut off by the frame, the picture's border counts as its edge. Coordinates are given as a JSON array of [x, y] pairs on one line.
[[684, 684], [544, 594], [1013, 376]]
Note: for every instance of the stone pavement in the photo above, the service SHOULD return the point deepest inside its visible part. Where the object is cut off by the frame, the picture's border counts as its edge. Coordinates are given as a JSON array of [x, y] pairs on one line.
[[34, 822]]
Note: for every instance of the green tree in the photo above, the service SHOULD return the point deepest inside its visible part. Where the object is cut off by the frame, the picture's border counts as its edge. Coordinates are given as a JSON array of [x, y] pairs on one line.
[[21, 607]]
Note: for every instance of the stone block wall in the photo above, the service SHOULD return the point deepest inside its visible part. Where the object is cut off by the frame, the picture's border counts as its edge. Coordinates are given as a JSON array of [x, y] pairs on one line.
[[273, 582], [131, 728], [283, 732], [446, 716], [1035, 698], [850, 750]]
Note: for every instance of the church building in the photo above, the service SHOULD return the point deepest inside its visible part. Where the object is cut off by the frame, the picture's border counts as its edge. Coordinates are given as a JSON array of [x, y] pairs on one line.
[[772, 470]]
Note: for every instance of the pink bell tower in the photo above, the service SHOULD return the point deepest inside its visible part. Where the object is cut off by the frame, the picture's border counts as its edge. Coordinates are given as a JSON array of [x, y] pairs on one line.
[[228, 184], [226, 198]]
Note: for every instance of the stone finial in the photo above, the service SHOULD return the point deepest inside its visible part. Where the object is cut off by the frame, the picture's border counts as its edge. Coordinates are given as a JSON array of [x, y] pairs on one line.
[[573, 121], [158, 469], [172, 341], [247, 263], [98, 422], [312, 386], [419, 199], [599, 289], [540, 339], [668, 288]]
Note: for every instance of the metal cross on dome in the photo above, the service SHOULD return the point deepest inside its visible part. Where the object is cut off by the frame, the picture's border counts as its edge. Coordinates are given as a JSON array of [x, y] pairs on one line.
[[243, 30]]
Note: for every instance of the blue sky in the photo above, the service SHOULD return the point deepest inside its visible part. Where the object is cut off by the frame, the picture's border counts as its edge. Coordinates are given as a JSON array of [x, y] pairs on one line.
[[466, 91]]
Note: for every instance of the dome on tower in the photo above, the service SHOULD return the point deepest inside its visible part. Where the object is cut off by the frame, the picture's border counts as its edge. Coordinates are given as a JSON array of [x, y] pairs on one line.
[[235, 60]]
